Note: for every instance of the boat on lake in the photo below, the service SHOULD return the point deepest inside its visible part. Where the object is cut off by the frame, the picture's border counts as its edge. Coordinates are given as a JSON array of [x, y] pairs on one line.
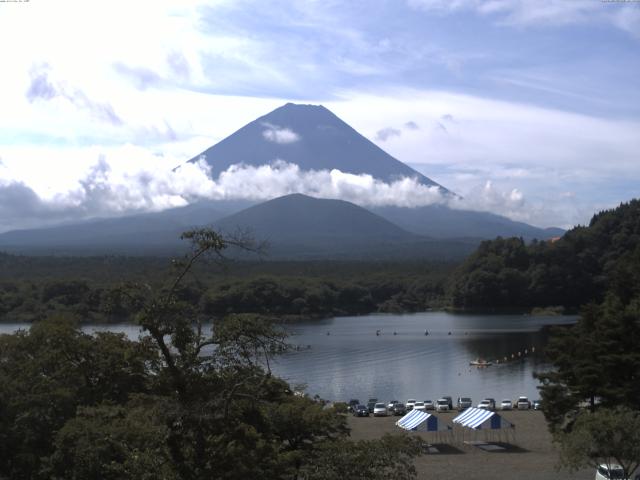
[[480, 363]]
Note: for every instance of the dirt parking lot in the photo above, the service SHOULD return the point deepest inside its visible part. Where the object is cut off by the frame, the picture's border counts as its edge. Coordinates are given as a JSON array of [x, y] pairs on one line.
[[532, 456]]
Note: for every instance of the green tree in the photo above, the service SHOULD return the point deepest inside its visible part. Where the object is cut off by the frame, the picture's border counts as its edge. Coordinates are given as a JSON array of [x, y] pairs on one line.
[[390, 458], [597, 361], [46, 373], [606, 436]]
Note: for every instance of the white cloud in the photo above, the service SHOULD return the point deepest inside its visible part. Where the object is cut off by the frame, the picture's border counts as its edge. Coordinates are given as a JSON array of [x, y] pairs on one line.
[[276, 134], [129, 179]]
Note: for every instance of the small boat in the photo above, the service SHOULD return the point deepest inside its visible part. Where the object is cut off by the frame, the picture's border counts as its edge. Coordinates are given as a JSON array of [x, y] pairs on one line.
[[478, 362]]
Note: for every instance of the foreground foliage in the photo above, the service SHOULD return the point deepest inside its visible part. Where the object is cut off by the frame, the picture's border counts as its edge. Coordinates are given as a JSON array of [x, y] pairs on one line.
[[184, 402], [606, 436], [591, 399]]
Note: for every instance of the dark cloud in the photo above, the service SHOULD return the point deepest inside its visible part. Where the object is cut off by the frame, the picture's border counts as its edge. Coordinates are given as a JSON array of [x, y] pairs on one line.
[[386, 133], [142, 78], [20, 207], [43, 88], [411, 125]]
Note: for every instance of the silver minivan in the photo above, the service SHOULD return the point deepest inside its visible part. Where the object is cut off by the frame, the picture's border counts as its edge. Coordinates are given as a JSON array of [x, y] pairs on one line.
[[442, 405]]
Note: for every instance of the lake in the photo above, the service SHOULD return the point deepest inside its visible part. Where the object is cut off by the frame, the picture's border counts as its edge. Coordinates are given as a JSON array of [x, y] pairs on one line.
[[342, 358]]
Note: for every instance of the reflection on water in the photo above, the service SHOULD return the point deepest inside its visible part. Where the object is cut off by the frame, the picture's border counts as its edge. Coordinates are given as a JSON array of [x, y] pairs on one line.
[[342, 358], [402, 362]]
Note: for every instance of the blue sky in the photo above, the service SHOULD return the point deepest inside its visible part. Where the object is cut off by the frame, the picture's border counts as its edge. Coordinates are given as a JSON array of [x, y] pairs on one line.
[[530, 109]]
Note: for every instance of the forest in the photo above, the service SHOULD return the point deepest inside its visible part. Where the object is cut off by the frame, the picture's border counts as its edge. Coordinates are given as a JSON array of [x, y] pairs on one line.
[[90, 288], [572, 271]]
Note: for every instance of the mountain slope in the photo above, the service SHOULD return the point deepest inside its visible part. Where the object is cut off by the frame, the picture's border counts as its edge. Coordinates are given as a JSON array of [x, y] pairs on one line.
[[442, 222], [156, 231], [299, 217], [311, 137], [298, 226]]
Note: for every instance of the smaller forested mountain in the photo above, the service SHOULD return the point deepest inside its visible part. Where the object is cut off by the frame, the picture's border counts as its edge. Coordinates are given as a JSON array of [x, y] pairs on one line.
[[576, 269]]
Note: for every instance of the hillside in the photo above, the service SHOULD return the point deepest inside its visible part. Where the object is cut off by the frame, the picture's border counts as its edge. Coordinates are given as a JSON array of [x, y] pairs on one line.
[[439, 221], [299, 226], [581, 267]]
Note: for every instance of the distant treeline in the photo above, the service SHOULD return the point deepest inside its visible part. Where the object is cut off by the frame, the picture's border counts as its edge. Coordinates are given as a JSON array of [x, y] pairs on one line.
[[90, 288], [577, 269]]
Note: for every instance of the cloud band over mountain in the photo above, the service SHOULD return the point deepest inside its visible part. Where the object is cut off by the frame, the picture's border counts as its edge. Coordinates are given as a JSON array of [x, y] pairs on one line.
[[112, 186]]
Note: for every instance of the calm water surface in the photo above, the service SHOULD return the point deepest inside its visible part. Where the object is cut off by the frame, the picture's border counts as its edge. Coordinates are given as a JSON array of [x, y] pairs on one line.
[[353, 362], [342, 358]]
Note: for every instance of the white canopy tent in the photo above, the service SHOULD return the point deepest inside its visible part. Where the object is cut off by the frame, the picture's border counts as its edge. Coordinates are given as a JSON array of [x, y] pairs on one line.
[[419, 421], [479, 419]]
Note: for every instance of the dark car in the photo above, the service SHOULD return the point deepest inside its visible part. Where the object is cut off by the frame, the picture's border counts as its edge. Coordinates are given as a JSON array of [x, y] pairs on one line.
[[464, 403], [360, 411], [371, 405], [399, 409], [353, 403]]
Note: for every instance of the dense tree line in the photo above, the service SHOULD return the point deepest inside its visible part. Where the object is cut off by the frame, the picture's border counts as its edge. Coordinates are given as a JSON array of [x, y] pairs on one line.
[[294, 296], [181, 403], [571, 271]]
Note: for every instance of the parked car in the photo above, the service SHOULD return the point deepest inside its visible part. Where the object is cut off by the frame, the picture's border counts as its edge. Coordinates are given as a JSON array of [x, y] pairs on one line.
[[610, 472], [399, 409], [353, 403], [371, 405], [392, 403], [360, 411], [506, 404], [428, 405], [487, 404], [419, 406], [442, 405], [449, 401], [523, 403], [464, 403], [410, 403], [537, 404], [380, 410]]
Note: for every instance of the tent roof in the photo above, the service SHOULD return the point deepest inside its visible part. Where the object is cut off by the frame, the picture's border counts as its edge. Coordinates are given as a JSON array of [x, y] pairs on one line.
[[478, 418], [419, 420]]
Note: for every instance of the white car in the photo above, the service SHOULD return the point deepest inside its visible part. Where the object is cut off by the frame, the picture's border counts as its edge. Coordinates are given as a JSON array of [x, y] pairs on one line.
[[485, 404], [392, 403], [442, 405], [523, 403], [506, 404], [410, 403], [610, 472], [428, 405], [380, 410], [419, 406]]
